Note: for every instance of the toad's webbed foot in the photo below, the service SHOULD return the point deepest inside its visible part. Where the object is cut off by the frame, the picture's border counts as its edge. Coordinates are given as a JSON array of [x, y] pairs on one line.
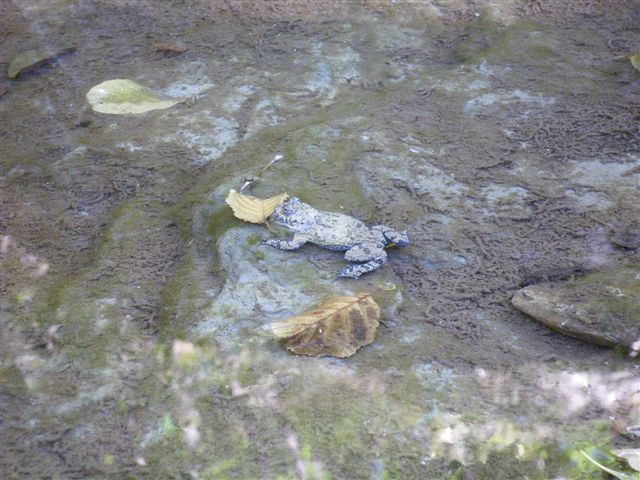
[[354, 270], [370, 256], [399, 239], [292, 243]]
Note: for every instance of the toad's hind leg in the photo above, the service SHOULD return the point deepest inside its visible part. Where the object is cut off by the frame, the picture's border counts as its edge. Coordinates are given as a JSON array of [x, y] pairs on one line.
[[370, 257]]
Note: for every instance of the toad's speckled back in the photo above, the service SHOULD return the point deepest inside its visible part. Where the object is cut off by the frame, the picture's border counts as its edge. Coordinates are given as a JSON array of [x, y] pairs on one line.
[[331, 230], [335, 231]]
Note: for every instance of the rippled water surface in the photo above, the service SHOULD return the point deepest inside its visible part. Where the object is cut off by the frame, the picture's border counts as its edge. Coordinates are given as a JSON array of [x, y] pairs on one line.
[[502, 135]]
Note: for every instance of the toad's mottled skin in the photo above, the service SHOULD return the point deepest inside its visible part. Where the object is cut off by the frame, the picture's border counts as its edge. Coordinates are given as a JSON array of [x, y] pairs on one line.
[[335, 231]]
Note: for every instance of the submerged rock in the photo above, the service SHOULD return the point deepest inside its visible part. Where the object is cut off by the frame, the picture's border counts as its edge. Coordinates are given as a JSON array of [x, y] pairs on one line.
[[31, 59], [601, 308], [627, 237], [264, 285]]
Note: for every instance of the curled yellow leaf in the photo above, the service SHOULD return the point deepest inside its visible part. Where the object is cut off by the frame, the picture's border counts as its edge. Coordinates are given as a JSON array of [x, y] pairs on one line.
[[253, 209], [339, 326]]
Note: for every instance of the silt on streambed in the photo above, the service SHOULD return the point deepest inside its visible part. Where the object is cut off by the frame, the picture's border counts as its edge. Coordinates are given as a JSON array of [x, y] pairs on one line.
[[502, 135]]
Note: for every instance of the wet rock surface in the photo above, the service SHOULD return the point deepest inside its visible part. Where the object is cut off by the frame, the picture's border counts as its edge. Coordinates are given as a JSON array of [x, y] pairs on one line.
[[264, 285], [601, 307]]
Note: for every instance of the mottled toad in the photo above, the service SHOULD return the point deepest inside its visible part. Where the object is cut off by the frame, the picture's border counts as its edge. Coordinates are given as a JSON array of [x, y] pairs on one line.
[[362, 244]]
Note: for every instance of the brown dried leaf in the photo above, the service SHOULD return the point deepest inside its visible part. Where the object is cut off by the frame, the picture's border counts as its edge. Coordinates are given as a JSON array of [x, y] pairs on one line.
[[339, 326], [253, 209]]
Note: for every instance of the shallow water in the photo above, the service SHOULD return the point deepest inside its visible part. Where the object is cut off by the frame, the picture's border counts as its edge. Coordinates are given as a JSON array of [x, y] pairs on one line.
[[502, 135]]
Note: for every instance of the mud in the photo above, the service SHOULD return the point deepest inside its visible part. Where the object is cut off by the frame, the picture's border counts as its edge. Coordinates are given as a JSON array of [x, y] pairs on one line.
[[504, 136]]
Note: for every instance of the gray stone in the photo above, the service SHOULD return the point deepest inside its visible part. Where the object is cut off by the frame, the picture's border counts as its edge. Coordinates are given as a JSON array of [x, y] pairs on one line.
[[264, 285], [27, 61], [601, 308]]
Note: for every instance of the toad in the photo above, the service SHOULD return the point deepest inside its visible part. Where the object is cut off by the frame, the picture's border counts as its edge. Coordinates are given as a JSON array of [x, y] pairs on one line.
[[363, 245]]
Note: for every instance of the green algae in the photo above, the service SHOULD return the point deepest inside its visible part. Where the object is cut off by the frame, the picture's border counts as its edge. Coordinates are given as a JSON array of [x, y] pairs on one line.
[[525, 42], [340, 427], [222, 469], [199, 376], [12, 380], [236, 455], [623, 296], [533, 46], [334, 173], [89, 306], [182, 299], [254, 239], [342, 440]]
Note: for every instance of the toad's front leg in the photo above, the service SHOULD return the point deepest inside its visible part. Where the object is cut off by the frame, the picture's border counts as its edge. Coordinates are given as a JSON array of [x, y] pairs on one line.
[[370, 258], [292, 243]]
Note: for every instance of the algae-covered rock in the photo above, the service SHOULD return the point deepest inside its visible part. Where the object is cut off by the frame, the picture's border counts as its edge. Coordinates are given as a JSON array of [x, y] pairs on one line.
[[31, 59], [601, 308], [627, 236], [264, 285], [122, 96]]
